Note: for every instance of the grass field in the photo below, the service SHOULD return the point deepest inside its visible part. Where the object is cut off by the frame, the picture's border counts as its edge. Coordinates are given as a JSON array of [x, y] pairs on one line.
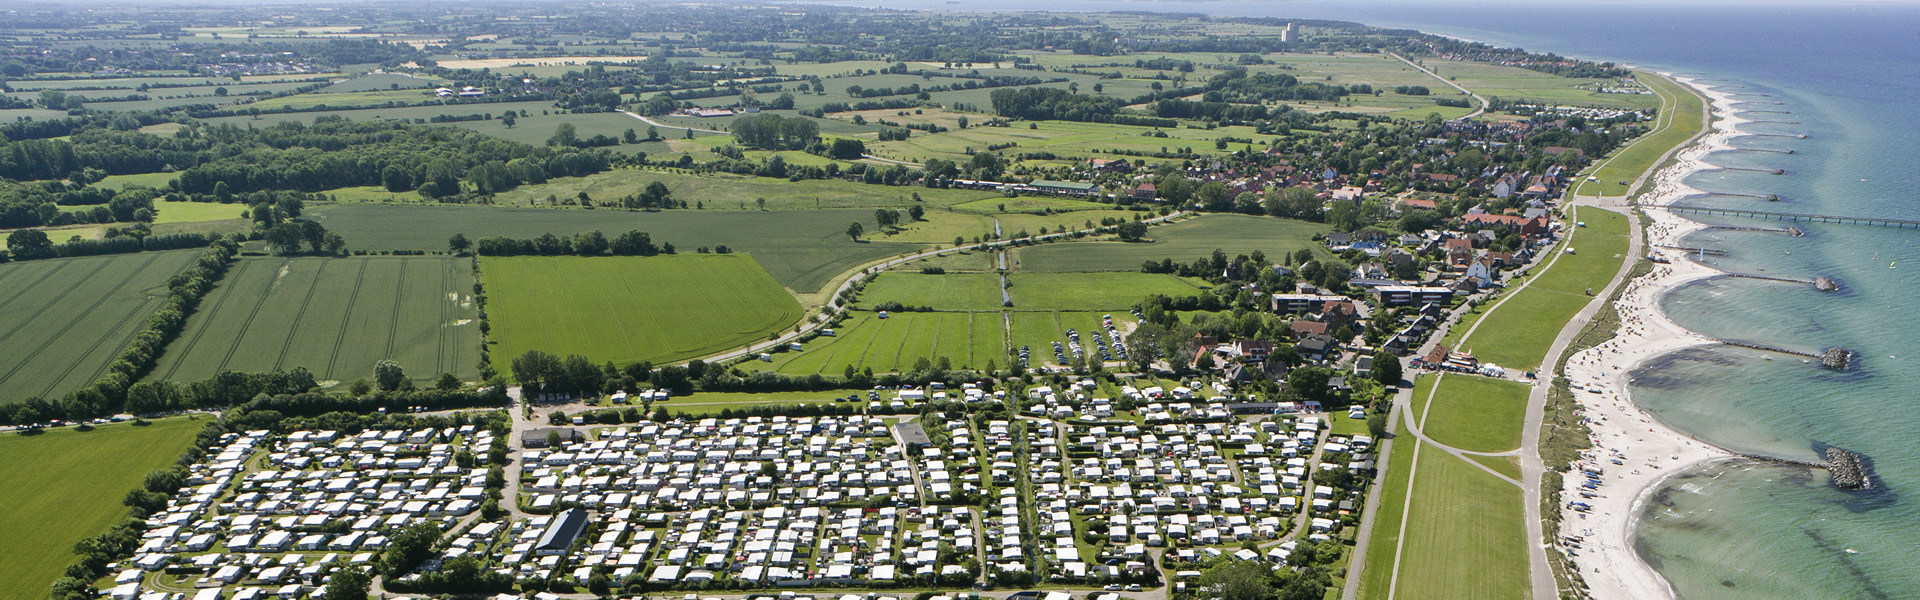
[[194, 212], [534, 128], [958, 291], [1679, 119], [630, 309], [1093, 291], [335, 316], [62, 321], [1038, 330], [898, 342], [66, 485], [1477, 413], [1513, 83], [803, 250], [1465, 536], [1182, 242], [1517, 334], [707, 403]]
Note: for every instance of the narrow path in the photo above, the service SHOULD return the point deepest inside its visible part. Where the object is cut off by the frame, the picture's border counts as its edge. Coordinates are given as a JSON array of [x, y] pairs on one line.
[[1476, 112]]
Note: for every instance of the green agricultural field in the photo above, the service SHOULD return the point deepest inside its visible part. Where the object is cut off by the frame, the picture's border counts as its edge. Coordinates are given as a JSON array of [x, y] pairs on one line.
[[343, 99], [959, 291], [1068, 139], [62, 321], [1183, 242], [726, 192], [534, 128], [941, 226], [152, 180], [1680, 118], [1465, 536], [1517, 333], [1477, 413], [336, 317], [630, 309], [802, 249], [1093, 291], [899, 342], [65, 486]]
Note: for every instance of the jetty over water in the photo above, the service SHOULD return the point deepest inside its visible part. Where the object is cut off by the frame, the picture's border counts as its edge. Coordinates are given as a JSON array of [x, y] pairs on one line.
[[1773, 171], [1847, 468], [1785, 216]]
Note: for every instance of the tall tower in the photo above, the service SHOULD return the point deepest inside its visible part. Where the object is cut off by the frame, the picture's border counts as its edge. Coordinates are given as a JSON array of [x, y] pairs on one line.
[[1291, 34]]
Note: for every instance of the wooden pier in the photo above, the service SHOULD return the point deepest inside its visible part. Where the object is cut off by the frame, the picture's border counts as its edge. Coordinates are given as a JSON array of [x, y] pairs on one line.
[[1797, 136], [1768, 171], [1775, 122], [1783, 216], [1837, 359], [1771, 112], [1786, 151]]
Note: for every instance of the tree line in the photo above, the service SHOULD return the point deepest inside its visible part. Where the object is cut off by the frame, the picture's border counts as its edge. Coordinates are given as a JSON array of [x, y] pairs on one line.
[[592, 243]]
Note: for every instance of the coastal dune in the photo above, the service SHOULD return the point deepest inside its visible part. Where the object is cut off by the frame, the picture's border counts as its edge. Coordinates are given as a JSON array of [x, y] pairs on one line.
[[1633, 452]]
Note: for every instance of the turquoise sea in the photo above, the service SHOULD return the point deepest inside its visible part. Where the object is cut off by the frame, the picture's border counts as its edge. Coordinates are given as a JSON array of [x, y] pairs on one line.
[[1849, 74]]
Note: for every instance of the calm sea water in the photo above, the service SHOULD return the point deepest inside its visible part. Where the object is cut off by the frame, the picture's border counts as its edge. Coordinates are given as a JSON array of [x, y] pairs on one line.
[[1847, 74]]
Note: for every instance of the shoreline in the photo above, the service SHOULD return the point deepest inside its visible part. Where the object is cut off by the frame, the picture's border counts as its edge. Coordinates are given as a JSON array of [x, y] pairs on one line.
[[1647, 451]]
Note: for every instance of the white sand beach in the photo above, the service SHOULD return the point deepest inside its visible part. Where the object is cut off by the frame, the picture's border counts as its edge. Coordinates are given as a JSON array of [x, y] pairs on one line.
[[1633, 451]]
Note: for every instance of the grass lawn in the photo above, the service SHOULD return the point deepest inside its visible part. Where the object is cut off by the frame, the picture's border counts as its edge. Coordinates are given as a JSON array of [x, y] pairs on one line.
[[337, 317], [1341, 425], [1505, 465], [63, 321], [1517, 334], [958, 291], [1465, 538], [66, 485], [1377, 574], [630, 309], [1093, 291], [803, 250], [1182, 242], [1477, 413], [1680, 118]]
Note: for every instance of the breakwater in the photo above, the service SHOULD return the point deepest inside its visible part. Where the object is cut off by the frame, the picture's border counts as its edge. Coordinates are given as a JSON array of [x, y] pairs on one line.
[[1847, 469]]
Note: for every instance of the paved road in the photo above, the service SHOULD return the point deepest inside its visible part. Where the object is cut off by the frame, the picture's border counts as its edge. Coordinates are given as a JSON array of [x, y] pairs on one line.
[[1476, 112]]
